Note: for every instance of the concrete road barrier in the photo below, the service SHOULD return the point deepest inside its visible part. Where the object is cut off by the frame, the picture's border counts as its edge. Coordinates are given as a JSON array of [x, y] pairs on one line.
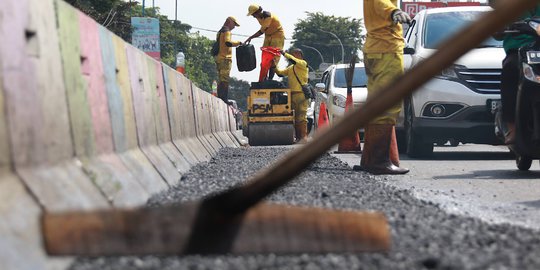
[[87, 121]]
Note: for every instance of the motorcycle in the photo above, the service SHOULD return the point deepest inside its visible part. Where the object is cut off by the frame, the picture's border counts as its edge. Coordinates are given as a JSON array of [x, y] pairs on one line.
[[526, 146]]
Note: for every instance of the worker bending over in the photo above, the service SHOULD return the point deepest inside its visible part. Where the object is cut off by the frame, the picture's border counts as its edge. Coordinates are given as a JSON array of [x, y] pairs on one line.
[[224, 57], [274, 36], [297, 72], [383, 59]]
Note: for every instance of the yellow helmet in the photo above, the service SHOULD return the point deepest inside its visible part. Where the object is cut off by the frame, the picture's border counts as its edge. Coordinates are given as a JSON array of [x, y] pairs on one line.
[[252, 9]]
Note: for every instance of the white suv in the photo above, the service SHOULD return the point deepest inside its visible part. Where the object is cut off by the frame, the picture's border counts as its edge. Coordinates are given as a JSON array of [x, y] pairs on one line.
[[455, 105], [333, 90]]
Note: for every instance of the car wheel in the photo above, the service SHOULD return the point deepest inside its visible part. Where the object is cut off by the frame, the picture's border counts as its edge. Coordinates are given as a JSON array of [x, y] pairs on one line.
[[416, 147]]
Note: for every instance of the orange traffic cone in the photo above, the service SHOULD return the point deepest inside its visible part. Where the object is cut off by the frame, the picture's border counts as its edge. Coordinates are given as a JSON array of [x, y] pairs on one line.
[[322, 122], [351, 144]]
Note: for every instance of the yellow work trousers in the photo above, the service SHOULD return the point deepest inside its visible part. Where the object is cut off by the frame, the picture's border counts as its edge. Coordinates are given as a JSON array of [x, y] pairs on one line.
[[300, 105], [382, 69], [276, 42], [223, 66]]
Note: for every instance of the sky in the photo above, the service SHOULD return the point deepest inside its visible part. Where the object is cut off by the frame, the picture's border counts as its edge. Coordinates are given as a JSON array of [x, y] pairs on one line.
[[207, 14]]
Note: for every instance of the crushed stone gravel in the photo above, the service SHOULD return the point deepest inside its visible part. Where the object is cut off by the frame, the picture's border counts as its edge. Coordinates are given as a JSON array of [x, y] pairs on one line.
[[423, 235]]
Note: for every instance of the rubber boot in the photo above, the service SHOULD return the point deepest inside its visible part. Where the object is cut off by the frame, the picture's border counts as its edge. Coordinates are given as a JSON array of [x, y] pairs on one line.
[[301, 132], [223, 91], [296, 133], [376, 154], [394, 151]]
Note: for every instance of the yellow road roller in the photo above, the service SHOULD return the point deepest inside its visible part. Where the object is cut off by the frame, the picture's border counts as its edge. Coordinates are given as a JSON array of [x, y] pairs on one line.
[[270, 118]]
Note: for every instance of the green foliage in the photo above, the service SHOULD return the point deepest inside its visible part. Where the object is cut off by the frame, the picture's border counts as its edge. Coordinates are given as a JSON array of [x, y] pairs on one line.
[[239, 90], [113, 14], [175, 36], [310, 32]]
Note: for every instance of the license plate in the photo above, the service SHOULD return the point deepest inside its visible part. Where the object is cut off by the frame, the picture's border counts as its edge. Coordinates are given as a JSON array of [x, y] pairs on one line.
[[533, 57], [493, 104]]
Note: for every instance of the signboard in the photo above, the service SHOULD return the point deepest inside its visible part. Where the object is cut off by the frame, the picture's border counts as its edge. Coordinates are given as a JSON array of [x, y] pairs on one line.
[[414, 7], [146, 36]]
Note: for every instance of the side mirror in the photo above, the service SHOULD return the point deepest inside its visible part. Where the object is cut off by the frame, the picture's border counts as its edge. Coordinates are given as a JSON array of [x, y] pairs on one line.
[[409, 50], [320, 87]]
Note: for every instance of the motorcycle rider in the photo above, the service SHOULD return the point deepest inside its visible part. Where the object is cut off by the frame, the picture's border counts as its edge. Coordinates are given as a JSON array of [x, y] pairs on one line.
[[510, 72]]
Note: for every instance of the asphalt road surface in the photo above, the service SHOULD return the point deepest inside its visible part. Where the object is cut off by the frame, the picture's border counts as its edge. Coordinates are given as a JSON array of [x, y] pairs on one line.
[[474, 180], [425, 235]]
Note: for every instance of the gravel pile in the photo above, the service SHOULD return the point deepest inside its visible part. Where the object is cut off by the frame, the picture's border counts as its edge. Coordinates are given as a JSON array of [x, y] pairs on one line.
[[424, 236]]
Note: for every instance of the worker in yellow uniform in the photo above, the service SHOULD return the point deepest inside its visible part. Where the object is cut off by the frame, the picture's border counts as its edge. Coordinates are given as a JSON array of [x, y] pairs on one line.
[[274, 36], [383, 60], [224, 56], [297, 73]]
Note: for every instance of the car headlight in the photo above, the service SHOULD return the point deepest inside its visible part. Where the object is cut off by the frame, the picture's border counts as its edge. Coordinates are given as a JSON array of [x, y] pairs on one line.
[[450, 72], [529, 74], [339, 101]]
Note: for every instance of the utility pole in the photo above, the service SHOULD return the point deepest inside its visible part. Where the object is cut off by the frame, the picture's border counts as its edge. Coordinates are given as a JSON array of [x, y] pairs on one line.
[[143, 8], [176, 11]]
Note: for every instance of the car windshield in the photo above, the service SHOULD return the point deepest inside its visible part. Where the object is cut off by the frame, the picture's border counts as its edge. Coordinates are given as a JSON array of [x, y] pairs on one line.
[[359, 78], [441, 26]]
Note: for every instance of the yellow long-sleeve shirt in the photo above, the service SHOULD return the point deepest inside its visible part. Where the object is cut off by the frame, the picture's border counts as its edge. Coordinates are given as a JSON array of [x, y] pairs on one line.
[[224, 35], [271, 26], [383, 35], [301, 69]]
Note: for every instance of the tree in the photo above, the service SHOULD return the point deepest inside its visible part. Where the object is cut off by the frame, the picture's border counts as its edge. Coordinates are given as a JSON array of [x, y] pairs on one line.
[[313, 32], [175, 36], [239, 90], [113, 14]]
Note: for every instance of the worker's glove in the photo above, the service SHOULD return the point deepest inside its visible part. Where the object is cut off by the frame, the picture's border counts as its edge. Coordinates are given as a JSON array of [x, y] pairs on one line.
[[398, 16]]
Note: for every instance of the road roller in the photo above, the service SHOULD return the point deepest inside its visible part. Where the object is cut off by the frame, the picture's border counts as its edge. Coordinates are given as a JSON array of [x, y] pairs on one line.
[[270, 118]]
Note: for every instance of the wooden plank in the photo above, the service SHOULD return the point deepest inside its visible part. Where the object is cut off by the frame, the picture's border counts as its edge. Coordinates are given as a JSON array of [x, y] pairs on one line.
[[188, 229]]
